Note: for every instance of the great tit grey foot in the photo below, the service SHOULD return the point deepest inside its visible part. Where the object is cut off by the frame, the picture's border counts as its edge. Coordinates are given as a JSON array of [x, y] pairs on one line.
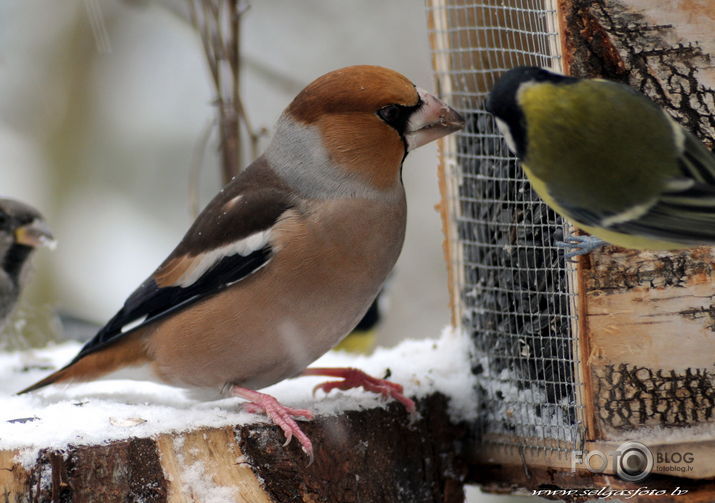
[[580, 245]]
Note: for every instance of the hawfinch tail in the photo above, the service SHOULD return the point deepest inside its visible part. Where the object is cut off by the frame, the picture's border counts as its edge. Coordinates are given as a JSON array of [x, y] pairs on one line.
[[287, 257], [22, 230]]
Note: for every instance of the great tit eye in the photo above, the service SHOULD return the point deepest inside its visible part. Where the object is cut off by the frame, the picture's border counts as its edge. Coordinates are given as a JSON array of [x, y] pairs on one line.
[[390, 114]]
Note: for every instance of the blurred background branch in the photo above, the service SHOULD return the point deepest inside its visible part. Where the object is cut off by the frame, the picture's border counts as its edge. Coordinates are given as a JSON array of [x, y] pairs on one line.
[[219, 24]]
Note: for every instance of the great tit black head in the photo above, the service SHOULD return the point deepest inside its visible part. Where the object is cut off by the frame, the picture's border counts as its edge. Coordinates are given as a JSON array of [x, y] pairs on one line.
[[503, 102]]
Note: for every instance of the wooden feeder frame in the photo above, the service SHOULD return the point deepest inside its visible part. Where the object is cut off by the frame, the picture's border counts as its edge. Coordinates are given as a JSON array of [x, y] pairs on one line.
[[645, 322]]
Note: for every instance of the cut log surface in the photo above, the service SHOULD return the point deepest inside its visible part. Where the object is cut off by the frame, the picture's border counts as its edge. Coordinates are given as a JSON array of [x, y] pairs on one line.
[[375, 455], [650, 320]]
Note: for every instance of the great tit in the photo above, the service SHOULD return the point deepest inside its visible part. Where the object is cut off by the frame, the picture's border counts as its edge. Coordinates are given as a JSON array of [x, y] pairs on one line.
[[22, 230], [608, 159], [362, 338]]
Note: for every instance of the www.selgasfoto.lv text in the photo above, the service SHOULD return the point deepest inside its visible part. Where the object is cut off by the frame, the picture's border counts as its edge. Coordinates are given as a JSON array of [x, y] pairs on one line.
[[607, 492]]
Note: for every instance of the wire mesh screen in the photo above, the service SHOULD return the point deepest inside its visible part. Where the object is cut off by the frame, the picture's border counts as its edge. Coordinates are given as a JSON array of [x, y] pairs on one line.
[[512, 281]]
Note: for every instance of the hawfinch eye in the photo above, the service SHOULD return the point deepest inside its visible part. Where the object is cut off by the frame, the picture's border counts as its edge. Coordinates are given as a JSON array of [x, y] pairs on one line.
[[390, 114]]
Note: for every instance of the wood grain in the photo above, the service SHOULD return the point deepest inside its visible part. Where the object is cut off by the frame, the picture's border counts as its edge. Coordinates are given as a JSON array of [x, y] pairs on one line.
[[376, 455]]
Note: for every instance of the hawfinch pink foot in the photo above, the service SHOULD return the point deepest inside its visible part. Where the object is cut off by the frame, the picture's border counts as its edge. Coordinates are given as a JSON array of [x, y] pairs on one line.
[[280, 415], [354, 378]]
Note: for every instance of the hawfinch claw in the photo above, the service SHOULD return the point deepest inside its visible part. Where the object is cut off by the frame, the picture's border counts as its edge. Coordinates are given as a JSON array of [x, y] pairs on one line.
[[279, 414], [354, 378]]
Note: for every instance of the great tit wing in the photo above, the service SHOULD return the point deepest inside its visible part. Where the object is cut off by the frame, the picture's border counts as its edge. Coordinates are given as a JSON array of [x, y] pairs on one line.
[[696, 162], [686, 216], [685, 211], [202, 264]]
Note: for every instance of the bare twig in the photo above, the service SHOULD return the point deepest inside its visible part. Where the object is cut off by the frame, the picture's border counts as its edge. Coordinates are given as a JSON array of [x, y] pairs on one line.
[[99, 28], [234, 55], [219, 24]]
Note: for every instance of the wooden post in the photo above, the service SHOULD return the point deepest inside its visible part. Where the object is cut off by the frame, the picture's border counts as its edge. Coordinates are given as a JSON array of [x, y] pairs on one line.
[[649, 316]]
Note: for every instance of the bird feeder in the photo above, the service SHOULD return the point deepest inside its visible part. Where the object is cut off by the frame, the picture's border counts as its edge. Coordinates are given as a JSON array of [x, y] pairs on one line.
[[598, 373]]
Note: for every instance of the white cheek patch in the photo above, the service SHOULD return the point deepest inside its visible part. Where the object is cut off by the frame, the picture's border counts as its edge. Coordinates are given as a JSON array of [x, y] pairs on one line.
[[206, 261], [504, 130]]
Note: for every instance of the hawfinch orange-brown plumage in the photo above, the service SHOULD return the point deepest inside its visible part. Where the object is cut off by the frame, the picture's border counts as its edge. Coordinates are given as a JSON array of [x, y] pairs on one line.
[[287, 258]]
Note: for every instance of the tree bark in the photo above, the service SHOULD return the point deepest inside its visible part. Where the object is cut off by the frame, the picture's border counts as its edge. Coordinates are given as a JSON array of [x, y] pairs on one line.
[[375, 455]]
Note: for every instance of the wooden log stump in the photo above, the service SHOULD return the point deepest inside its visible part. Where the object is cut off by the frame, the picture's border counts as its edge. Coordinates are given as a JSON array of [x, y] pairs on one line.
[[375, 455]]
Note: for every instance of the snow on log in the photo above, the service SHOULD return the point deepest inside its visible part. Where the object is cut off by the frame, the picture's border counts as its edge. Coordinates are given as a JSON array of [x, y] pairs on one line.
[[370, 455], [130, 441]]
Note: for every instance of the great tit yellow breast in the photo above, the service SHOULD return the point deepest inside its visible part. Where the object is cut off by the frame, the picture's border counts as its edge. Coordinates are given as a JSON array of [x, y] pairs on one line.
[[613, 237]]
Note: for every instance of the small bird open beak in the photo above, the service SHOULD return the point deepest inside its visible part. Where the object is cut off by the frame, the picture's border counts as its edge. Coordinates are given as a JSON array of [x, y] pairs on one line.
[[35, 234], [434, 119]]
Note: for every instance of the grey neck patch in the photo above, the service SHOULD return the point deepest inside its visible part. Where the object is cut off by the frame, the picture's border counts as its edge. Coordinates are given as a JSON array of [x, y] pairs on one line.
[[298, 156]]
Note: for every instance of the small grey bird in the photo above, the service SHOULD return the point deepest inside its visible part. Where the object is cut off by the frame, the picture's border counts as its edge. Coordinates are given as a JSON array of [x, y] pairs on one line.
[[22, 230]]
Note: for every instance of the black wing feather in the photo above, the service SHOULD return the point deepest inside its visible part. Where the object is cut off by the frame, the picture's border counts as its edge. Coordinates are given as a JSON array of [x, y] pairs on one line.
[[687, 217], [253, 202], [696, 161], [153, 303]]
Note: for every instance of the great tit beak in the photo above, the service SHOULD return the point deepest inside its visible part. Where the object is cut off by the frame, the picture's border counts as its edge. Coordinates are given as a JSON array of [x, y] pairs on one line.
[[434, 119], [35, 234]]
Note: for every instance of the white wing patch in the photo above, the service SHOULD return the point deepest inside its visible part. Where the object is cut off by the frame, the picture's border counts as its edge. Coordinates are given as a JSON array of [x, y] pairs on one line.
[[206, 261], [679, 184], [678, 133], [133, 324], [231, 203], [630, 214]]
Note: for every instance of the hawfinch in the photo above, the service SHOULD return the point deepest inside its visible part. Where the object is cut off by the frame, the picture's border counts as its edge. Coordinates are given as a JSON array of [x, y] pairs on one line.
[[22, 230], [287, 257]]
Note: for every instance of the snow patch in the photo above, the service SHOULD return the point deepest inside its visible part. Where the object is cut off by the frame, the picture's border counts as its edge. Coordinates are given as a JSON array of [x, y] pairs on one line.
[[198, 485], [104, 411]]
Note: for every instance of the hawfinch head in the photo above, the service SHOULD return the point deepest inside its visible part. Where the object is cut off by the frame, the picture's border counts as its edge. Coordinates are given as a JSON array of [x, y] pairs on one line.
[[370, 117]]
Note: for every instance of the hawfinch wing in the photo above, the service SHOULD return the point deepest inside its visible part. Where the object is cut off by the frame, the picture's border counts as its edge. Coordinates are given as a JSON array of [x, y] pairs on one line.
[[229, 241]]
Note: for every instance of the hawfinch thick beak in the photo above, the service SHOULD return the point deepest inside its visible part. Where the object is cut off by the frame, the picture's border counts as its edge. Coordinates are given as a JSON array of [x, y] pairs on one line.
[[434, 119], [35, 234]]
